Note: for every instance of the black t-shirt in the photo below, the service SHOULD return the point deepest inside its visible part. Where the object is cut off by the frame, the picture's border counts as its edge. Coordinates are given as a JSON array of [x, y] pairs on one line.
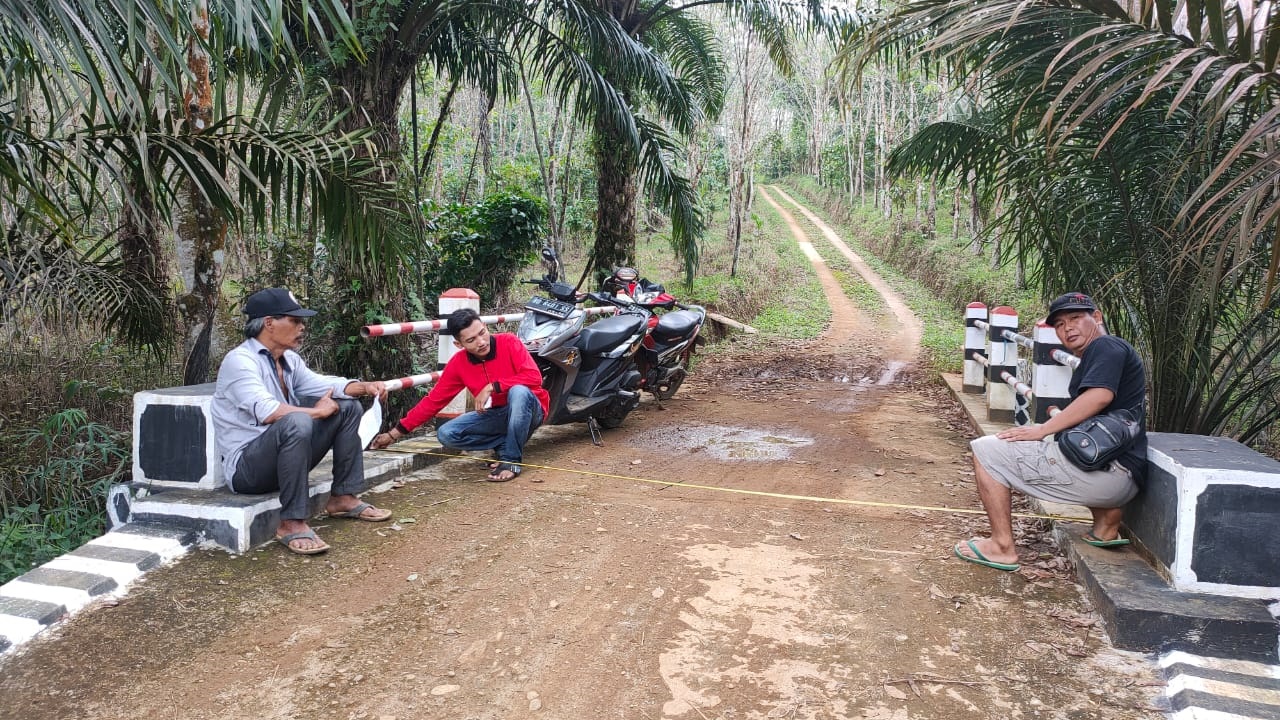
[[1111, 363]]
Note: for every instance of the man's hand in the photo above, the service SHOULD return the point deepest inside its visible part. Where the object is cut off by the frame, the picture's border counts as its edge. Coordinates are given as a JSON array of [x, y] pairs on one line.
[[482, 398], [325, 406], [381, 440], [1026, 432], [375, 388]]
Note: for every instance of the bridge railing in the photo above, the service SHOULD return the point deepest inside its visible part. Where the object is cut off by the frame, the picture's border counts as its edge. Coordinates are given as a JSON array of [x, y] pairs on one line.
[[992, 366]]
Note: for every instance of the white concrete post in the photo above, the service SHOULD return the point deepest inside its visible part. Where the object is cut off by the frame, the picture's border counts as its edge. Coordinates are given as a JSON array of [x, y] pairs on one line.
[[450, 300], [1051, 379], [1003, 355], [975, 343]]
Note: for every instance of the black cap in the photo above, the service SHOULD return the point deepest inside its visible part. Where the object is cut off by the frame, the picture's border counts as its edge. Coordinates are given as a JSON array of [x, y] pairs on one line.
[[274, 301], [1068, 302]]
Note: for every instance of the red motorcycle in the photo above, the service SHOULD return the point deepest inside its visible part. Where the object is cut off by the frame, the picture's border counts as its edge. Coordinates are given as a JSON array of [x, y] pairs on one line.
[[663, 360]]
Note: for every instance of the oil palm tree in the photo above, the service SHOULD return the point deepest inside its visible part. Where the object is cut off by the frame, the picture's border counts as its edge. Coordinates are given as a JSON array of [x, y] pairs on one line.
[[104, 155], [685, 40], [575, 49], [1135, 150]]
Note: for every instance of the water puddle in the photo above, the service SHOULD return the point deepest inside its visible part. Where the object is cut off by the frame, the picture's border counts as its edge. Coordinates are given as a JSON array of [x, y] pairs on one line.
[[732, 443], [890, 372]]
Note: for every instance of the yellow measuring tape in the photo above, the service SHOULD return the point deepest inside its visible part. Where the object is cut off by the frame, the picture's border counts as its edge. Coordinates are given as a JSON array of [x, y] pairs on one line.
[[738, 491]]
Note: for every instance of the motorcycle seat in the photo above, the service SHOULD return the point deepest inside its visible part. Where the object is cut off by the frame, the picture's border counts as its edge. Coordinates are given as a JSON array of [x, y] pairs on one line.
[[676, 325], [604, 335]]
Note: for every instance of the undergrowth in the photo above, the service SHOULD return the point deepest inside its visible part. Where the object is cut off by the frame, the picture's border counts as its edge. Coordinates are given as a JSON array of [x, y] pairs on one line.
[[66, 410]]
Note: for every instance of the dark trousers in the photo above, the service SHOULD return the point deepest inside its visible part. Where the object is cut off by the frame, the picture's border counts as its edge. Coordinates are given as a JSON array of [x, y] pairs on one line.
[[281, 457]]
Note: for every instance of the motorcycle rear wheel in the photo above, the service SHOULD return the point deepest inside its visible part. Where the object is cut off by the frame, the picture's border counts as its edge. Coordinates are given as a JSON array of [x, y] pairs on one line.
[[667, 390]]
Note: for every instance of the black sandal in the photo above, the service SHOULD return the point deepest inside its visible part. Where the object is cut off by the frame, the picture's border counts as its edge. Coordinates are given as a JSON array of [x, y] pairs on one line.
[[504, 467]]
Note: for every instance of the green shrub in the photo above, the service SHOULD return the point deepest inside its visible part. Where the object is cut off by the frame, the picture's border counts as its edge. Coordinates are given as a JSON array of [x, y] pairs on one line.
[[57, 504], [481, 246]]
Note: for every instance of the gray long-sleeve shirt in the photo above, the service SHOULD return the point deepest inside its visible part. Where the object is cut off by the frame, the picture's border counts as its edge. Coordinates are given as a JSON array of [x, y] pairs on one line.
[[248, 391]]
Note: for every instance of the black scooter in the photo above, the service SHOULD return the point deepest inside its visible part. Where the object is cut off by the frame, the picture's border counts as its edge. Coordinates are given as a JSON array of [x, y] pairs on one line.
[[588, 370]]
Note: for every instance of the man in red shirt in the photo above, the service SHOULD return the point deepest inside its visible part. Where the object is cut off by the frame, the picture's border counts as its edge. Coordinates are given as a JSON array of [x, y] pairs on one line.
[[509, 398]]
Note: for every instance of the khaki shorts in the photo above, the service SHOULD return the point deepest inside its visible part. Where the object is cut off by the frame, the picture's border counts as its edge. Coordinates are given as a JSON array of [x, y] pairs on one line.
[[1037, 468]]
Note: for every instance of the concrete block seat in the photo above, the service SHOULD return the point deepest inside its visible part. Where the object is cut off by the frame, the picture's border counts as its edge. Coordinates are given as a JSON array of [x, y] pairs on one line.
[[177, 478], [1205, 559], [233, 521]]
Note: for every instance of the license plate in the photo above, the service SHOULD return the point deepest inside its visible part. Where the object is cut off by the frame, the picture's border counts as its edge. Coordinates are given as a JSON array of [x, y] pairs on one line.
[[555, 308]]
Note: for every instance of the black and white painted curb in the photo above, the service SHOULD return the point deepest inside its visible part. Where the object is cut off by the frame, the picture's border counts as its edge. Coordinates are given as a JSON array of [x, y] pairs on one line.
[[101, 568], [1200, 688]]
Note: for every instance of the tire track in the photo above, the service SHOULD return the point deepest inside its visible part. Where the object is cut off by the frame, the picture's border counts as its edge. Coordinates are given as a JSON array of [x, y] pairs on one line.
[[903, 344]]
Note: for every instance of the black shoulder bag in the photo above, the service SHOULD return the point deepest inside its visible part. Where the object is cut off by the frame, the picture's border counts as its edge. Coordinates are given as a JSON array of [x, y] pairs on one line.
[[1098, 440]]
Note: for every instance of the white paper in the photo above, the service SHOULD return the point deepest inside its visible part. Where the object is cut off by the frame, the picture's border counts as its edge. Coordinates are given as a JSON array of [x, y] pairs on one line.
[[371, 423]]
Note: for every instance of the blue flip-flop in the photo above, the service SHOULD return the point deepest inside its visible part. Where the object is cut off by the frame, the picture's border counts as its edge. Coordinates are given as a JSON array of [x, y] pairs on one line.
[[1096, 541], [979, 559]]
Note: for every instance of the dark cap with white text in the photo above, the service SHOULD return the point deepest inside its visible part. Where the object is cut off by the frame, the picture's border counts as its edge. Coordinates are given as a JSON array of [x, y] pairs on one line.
[[274, 301]]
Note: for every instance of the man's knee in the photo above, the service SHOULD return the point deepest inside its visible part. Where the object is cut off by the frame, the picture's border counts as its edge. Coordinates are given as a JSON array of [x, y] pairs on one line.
[[520, 394], [295, 425], [447, 434], [348, 408]]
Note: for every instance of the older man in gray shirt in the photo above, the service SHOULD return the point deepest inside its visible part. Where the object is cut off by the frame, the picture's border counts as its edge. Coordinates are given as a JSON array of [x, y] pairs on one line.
[[275, 419]]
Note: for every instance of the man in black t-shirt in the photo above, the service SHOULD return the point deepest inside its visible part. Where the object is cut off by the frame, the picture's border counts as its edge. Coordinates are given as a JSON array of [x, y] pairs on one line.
[[1110, 377]]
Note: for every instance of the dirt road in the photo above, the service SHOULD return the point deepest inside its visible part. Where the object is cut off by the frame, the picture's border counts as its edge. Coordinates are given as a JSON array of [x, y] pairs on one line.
[[581, 591]]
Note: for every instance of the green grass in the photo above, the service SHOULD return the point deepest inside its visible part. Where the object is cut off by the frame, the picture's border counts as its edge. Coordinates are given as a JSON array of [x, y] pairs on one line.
[[799, 309], [942, 341], [65, 414]]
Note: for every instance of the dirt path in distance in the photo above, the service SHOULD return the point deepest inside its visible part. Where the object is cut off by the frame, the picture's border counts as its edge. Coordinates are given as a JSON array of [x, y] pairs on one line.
[[597, 586]]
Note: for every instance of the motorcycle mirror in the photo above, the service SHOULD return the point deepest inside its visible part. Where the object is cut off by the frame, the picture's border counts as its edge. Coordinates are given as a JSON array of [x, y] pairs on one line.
[[551, 263]]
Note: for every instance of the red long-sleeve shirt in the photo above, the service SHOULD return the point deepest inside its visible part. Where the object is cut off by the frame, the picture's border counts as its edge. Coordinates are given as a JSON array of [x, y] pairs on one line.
[[508, 364]]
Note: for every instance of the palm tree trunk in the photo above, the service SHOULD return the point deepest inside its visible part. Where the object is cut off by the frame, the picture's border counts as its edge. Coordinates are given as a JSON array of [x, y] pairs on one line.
[[364, 285], [202, 231], [615, 200]]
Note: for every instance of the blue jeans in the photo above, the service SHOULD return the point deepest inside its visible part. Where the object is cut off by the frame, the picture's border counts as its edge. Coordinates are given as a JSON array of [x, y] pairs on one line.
[[506, 428]]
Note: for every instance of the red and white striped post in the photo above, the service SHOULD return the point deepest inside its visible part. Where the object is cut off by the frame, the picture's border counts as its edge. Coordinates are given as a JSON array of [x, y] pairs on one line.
[[450, 300], [975, 343], [1051, 379], [1003, 357], [412, 381]]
